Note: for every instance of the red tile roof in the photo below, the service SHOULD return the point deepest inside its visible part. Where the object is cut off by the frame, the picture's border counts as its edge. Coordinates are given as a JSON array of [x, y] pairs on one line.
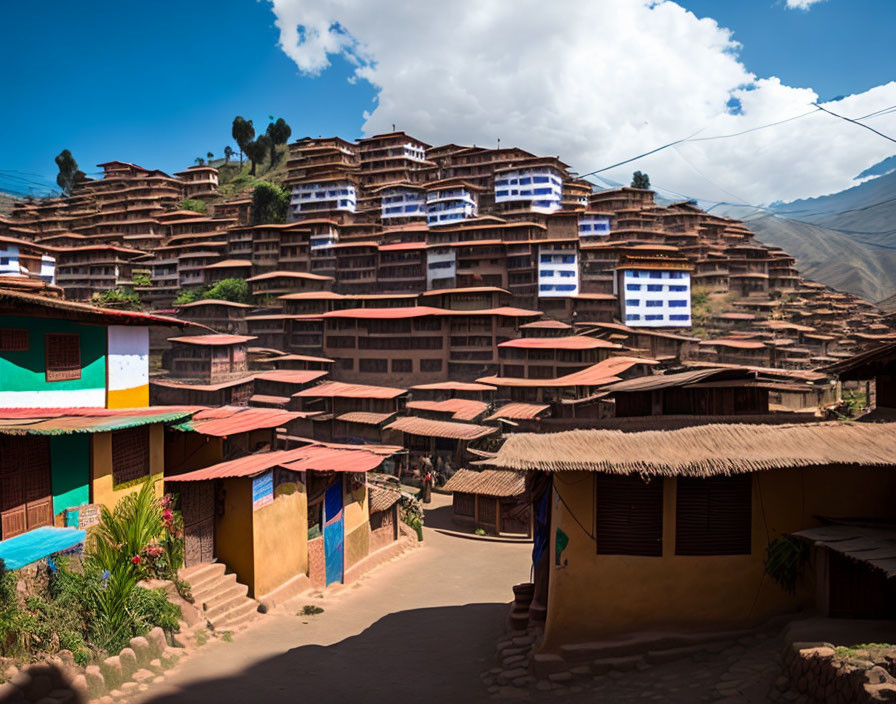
[[469, 289], [572, 342], [338, 389], [596, 375], [365, 417], [212, 339], [292, 376], [454, 386], [440, 428], [289, 275], [232, 420], [736, 344], [213, 302], [519, 411], [459, 408], [230, 264]]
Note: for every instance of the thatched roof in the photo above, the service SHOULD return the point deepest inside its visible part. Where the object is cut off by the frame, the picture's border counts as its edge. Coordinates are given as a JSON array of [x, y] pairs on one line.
[[701, 451], [865, 365], [488, 482], [382, 499]]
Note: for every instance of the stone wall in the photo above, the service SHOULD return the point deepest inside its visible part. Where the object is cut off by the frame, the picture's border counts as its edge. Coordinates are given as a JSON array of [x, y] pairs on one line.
[[816, 671]]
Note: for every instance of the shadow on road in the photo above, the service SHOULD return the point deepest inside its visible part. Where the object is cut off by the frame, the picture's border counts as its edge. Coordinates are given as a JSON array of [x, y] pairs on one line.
[[441, 518], [432, 655]]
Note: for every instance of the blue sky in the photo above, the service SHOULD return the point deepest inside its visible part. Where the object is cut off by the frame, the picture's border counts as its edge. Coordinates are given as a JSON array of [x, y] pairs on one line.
[[159, 83]]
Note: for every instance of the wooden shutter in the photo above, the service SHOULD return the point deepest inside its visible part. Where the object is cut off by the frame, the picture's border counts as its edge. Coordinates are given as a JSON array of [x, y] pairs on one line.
[[13, 340], [130, 454], [464, 504], [629, 515], [713, 516], [63, 357]]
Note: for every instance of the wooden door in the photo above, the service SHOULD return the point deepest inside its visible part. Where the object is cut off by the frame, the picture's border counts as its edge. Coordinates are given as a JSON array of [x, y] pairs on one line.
[[26, 495], [516, 516], [197, 502]]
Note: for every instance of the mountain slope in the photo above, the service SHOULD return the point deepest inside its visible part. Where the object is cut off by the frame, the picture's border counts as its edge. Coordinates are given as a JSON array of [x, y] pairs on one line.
[[830, 257]]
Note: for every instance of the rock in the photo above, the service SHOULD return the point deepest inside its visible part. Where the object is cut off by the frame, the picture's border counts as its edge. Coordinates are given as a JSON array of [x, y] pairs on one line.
[[881, 692], [509, 662], [157, 642], [22, 679], [128, 660], [142, 650], [878, 675], [523, 640], [156, 666], [111, 669], [79, 686], [61, 696], [523, 681], [158, 679], [170, 657], [581, 670], [543, 664], [560, 677], [67, 658], [129, 687], [96, 682], [543, 685], [143, 675], [782, 683], [11, 694], [41, 685]]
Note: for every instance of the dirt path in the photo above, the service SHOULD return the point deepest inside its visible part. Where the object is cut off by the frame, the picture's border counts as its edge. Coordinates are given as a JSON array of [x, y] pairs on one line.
[[423, 626]]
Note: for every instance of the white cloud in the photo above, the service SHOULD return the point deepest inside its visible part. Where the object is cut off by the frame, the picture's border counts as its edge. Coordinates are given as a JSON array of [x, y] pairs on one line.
[[801, 4], [593, 82]]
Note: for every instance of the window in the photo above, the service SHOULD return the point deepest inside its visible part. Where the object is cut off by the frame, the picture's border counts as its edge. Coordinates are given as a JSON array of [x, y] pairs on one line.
[[63, 357], [12, 340], [676, 275], [633, 316], [629, 515], [633, 302], [633, 287], [430, 365], [402, 365], [678, 304], [678, 288], [379, 366], [679, 316], [130, 455], [346, 363], [653, 317], [654, 287], [713, 516], [654, 304]]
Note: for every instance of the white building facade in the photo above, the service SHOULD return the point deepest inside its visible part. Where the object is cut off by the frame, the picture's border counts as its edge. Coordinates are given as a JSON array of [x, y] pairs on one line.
[[540, 186], [450, 204], [14, 262], [558, 271], [441, 267], [591, 225], [654, 298], [400, 202], [316, 197]]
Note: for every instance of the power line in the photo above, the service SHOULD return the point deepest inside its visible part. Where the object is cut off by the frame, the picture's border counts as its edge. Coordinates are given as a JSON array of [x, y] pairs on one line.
[[855, 122]]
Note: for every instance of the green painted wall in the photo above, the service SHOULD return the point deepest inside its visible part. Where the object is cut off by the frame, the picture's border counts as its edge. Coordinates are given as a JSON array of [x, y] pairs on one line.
[[70, 470], [26, 371]]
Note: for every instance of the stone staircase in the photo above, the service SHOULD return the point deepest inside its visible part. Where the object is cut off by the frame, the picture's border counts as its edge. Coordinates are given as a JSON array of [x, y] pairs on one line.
[[222, 600]]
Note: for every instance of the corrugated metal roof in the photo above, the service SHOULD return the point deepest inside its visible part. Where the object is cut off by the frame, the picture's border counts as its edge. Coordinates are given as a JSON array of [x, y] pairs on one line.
[[454, 386], [519, 411], [64, 421], [174, 384], [459, 408], [233, 420], [873, 546], [596, 375], [212, 339], [213, 302], [320, 458], [338, 389], [289, 275], [664, 381], [488, 482], [365, 417], [440, 428], [469, 289]]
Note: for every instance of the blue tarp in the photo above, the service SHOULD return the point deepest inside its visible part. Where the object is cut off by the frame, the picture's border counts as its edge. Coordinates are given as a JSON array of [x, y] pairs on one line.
[[38, 544]]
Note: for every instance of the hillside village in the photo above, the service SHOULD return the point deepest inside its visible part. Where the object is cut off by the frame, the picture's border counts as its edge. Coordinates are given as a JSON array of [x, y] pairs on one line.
[[652, 398]]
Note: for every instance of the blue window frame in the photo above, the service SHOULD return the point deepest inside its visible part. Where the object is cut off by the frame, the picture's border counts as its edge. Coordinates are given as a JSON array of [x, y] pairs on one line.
[[635, 302], [678, 304], [654, 304], [654, 287], [633, 287], [566, 273], [633, 316], [546, 287], [679, 316], [677, 288], [566, 287], [676, 275], [546, 272], [653, 316]]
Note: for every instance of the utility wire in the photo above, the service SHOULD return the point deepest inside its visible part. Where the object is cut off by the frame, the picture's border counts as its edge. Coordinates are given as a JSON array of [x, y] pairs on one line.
[[855, 122]]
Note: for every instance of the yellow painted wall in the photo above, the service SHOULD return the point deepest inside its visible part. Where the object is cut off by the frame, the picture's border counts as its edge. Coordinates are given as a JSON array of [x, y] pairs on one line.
[[598, 596], [234, 544], [357, 522], [280, 538], [102, 490], [136, 397]]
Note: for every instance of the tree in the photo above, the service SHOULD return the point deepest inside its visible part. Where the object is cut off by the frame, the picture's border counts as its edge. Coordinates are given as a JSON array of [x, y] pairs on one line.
[[640, 180], [270, 204], [279, 133], [243, 133], [199, 161], [197, 206], [257, 150], [233, 290], [188, 295], [68, 174], [210, 156], [228, 152]]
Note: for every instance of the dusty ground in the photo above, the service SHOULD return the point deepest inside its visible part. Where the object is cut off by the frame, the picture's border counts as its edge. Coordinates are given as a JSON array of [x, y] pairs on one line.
[[425, 628]]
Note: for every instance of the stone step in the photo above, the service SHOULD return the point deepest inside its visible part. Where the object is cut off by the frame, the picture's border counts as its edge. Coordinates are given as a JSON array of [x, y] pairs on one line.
[[237, 616], [226, 602], [209, 589], [200, 575]]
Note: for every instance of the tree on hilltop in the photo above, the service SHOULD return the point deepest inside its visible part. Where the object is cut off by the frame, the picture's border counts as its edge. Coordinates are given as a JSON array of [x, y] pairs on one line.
[[257, 150], [279, 133], [641, 180], [69, 174], [210, 156], [270, 204], [199, 161], [243, 133], [228, 152]]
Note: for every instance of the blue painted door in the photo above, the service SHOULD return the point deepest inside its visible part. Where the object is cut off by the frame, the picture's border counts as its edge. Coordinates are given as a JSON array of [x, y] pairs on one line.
[[334, 535]]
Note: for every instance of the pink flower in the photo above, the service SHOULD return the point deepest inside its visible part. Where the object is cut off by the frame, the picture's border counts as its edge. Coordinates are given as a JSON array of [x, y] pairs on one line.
[[136, 559], [167, 515], [166, 500]]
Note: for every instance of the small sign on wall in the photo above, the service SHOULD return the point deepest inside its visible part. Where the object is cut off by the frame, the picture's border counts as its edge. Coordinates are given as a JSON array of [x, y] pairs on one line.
[[262, 490]]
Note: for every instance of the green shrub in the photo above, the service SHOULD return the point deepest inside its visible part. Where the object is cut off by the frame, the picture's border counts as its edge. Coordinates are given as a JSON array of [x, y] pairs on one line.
[[784, 561], [188, 295], [233, 290], [193, 204]]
